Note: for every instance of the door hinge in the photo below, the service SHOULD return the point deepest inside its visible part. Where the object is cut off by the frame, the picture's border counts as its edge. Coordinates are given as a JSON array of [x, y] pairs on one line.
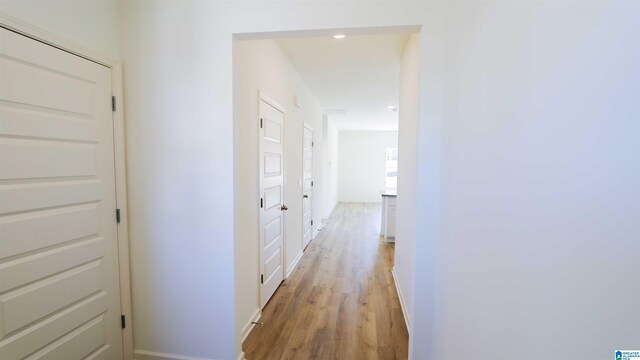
[[312, 144], [261, 279], [118, 216], [260, 123], [123, 321], [311, 222], [113, 103], [261, 202], [312, 183]]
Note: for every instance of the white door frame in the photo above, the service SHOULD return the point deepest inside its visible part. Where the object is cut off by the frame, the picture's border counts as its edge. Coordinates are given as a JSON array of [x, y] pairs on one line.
[[43, 36], [268, 100], [308, 127]]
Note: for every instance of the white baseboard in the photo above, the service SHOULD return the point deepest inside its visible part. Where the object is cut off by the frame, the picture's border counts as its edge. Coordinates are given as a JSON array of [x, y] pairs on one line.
[[241, 356], [152, 355], [246, 329], [315, 233], [294, 264], [403, 306]]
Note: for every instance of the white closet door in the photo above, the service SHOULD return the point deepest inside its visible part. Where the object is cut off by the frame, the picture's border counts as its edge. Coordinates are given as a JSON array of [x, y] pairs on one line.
[[307, 186], [59, 287], [272, 200]]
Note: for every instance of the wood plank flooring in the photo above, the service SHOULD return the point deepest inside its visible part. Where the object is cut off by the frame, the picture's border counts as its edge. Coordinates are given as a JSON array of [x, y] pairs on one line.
[[340, 302]]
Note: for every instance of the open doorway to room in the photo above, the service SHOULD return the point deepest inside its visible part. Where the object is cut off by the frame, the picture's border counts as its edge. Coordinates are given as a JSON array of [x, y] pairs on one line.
[[318, 164]]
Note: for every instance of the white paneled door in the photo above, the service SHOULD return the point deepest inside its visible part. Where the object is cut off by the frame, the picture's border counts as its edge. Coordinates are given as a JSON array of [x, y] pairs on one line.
[[307, 185], [59, 287], [272, 208]]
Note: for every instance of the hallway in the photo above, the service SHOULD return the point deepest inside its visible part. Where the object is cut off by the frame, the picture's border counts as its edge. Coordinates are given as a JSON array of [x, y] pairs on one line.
[[340, 302]]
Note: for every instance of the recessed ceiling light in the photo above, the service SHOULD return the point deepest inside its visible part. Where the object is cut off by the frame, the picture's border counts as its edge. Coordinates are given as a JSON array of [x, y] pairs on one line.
[[391, 107], [340, 36]]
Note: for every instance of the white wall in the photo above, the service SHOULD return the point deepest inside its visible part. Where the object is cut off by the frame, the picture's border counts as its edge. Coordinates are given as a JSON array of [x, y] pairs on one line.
[[93, 24], [528, 198], [407, 165], [260, 65], [180, 179], [362, 155], [540, 183], [330, 166]]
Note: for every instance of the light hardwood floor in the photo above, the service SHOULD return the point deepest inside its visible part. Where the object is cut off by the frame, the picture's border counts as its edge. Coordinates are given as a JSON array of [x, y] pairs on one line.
[[340, 302]]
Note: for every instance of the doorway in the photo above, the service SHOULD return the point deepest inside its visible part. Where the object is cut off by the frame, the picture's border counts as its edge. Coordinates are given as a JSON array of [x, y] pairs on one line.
[[371, 84]]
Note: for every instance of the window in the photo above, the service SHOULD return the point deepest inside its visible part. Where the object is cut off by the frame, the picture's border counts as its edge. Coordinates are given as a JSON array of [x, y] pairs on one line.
[[391, 175]]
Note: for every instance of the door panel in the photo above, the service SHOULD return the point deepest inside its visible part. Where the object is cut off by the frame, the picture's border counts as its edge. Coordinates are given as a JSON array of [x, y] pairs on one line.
[[273, 263], [30, 196], [272, 200], [36, 159], [34, 267], [273, 231], [51, 228], [272, 164], [48, 330], [84, 340], [307, 186], [19, 121], [59, 287]]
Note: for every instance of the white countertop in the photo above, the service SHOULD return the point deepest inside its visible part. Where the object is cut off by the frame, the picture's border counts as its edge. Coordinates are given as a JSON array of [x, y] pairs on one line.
[[388, 192]]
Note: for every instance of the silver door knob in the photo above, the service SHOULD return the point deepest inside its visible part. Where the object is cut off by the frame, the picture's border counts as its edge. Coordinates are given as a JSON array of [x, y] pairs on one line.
[[305, 196]]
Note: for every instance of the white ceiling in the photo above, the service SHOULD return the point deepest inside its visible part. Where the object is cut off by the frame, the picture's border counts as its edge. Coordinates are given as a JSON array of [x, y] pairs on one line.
[[357, 76]]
